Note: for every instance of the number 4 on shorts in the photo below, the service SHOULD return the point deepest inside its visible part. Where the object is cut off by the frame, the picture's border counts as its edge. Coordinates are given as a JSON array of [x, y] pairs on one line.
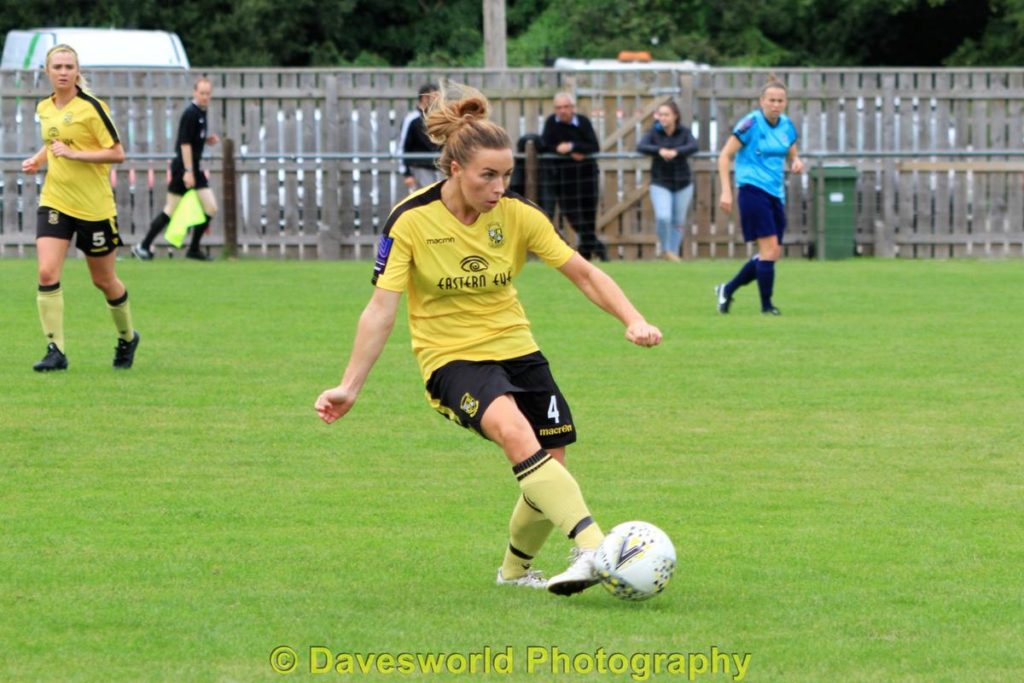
[[553, 409]]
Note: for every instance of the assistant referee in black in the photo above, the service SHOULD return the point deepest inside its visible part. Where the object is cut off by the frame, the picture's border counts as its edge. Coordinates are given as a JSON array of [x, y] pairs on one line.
[[186, 173]]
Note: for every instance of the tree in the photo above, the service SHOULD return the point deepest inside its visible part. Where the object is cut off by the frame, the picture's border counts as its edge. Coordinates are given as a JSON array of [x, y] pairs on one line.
[[1001, 42], [449, 32]]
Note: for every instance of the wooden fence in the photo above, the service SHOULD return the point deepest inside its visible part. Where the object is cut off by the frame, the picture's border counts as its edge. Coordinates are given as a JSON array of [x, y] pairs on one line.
[[939, 152]]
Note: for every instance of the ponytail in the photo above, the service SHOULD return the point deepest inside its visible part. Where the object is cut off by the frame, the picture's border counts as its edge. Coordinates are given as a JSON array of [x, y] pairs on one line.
[[773, 82], [458, 120]]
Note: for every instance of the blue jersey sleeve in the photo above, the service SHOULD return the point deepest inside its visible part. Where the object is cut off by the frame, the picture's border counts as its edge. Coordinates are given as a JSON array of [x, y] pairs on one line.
[[744, 130]]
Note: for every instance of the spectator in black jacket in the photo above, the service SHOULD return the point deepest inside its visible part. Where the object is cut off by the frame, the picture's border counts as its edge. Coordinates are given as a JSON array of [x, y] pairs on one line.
[[419, 171], [574, 174], [669, 142]]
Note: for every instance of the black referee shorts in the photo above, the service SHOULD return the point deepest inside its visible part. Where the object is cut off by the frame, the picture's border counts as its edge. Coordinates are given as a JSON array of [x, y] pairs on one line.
[[177, 184], [463, 390]]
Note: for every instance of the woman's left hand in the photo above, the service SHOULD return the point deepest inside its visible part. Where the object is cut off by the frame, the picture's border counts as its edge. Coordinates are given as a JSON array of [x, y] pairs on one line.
[[334, 403], [643, 334], [797, 166]]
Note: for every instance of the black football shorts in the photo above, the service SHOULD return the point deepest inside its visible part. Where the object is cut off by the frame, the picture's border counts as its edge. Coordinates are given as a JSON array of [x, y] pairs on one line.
[[94, 238], [462, 391]]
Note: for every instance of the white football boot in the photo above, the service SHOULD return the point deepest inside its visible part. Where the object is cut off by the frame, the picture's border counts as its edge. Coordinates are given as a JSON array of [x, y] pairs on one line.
[[531, 579], [723, 300], [580, 575]]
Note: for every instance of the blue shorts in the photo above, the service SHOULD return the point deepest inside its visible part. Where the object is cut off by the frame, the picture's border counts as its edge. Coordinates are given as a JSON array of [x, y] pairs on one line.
[[761, 214]]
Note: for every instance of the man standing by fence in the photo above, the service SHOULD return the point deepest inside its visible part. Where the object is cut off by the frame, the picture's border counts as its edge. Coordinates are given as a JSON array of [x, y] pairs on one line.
[[186, 173], [574, 173], [419, 171]]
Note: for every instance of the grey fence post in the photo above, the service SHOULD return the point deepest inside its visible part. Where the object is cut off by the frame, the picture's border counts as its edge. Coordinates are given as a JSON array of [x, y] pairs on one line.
[[329, 233]]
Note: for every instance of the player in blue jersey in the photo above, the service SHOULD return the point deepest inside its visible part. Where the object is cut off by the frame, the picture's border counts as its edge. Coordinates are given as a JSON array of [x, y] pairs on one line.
[[760, 143]]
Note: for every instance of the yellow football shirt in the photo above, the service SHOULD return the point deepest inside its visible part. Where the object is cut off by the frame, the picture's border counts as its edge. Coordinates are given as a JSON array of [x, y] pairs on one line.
[[78, 188], [462, 304]]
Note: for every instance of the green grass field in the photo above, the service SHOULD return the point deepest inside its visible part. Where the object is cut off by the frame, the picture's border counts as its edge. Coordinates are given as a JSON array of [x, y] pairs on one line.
[[843, 484]]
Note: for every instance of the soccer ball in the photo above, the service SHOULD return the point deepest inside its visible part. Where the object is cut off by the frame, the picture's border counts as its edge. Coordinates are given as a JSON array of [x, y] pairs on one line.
[[635, 561]]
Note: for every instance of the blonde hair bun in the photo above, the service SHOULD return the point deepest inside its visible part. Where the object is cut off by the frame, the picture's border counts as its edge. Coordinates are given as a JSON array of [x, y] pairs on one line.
[[455, 106]]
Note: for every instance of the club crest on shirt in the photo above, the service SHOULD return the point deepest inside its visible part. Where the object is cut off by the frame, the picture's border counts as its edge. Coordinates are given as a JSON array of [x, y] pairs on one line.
[[469, 405], [495, 235]]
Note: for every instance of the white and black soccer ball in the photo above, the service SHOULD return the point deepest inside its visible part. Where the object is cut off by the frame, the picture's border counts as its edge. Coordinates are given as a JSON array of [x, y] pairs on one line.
[[635, 561]]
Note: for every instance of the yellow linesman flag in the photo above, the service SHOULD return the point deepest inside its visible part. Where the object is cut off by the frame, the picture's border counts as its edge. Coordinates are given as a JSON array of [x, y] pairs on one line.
[[187, 213]]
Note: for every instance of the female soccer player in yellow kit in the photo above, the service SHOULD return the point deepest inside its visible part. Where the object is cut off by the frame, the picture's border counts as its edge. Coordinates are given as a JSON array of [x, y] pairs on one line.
[[455, 247], [79, 144]]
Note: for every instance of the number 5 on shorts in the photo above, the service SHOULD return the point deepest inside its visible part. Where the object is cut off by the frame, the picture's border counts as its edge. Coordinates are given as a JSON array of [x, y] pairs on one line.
[[98, 239]]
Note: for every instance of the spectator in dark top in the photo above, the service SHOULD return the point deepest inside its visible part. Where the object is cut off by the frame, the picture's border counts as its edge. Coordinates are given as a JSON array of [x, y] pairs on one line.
[[669, 142], [186, 173], [574, 174], [544, 198], [419, 172]]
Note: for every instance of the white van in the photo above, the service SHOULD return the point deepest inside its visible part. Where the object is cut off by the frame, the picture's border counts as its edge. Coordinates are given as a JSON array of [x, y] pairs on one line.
[[109, 48], [569, 64]]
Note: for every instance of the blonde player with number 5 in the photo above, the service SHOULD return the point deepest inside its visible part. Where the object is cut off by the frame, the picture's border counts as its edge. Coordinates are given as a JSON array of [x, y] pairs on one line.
[[80, 144]]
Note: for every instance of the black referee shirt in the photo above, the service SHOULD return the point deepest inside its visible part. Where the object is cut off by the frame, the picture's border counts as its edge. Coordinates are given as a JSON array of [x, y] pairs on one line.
[[191, 131]]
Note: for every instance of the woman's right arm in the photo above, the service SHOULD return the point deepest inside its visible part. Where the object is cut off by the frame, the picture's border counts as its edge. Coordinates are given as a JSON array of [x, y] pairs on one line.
[[375, 325], [724, 172], [689, 146], [34, 162], [647, 145]]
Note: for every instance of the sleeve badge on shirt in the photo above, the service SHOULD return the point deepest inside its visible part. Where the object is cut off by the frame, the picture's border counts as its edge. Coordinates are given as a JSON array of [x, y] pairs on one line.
[[383, 251], [745, 125]]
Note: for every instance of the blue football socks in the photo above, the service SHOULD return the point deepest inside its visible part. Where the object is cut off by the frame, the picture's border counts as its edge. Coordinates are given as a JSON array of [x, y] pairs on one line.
[[765, 282], [747, 274]]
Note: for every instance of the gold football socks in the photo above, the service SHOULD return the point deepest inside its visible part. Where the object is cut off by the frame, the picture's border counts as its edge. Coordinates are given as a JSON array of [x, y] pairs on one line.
[[121, 312], [528, 529], [50, 300], [549, 486]]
